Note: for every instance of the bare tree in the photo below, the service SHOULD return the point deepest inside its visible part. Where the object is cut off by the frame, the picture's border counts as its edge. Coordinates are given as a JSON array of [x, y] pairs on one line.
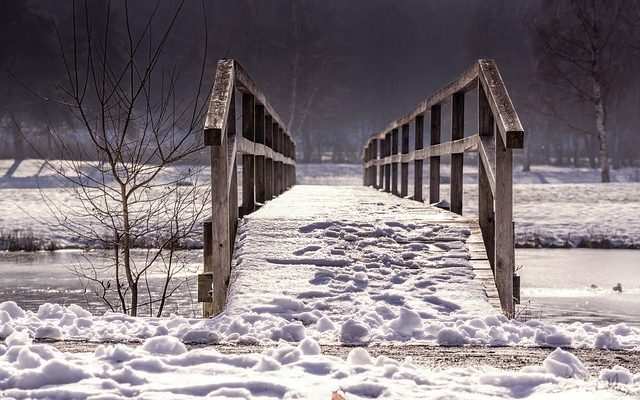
[[582, 47], [141, 124]]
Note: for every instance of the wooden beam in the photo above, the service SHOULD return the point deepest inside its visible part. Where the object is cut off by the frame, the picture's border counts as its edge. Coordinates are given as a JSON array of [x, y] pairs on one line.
[[504, 241], [248, 165], [457, 159], [504, 113], [394, 164], [221, 97], [260, 160], [434, 161], [404, 167], [417, 165]]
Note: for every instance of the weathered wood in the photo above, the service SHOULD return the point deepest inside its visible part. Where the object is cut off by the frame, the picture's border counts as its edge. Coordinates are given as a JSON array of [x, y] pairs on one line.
[[248, 167], [404, 167], [434, 161], [207, 242], [260, 160], [374, 168], [468, 144], [417, 165], [220, 211], [221, 99], [504, 250], [486, 214], [457, 160], [387, 166], [205, 291], [505, 114], [394, 164]]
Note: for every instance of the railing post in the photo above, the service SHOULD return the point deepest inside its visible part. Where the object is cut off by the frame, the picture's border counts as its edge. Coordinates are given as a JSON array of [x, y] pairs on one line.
[[380, 167], [434, 161], [394, 165], [417, 164], [374, 168], [486, 217], [207, 281], [457, 160], [276, 164], [248, 167], [504, 242], [404, 167], [268, 139], [280, 146], [387, 165], [260, 160], [223, 205]]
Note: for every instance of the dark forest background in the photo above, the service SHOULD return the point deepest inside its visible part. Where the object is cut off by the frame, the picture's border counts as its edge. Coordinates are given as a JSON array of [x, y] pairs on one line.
[[338, 71]]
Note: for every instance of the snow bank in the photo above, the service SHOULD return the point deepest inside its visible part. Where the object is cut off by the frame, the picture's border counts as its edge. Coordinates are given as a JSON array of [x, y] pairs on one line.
[[286, 371]]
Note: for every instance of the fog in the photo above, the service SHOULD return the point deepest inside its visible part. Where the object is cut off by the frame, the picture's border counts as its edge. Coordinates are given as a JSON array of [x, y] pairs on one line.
[[337, 71]]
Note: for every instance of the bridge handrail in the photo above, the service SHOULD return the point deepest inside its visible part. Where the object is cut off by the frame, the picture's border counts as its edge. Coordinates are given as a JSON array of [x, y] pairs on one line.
[[268, 169], [496, 112]]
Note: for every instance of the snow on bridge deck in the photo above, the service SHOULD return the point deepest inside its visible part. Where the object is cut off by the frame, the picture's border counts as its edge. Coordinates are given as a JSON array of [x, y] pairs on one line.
[[354, 265]]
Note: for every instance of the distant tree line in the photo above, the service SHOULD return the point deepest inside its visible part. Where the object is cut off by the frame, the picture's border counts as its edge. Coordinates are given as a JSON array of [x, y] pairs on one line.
[[338, 71]]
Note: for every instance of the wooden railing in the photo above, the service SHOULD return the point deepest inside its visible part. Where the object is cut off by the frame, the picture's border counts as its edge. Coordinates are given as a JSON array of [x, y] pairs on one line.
[[268, 169], [499, 131]]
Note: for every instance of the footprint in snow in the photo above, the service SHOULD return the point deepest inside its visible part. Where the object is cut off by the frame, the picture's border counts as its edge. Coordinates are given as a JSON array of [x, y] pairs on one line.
[[308, 249]]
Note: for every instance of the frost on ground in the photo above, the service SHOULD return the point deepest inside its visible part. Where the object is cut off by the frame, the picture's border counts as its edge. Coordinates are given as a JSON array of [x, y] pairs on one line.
[[335, 271], [163, 368]]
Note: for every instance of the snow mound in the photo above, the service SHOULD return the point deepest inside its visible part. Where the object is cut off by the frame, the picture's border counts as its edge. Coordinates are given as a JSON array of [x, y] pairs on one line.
[[564, 364]]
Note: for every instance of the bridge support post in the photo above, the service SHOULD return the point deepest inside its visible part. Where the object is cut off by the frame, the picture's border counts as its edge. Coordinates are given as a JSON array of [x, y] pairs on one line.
[[457, 160], [434, 161], [417, 164], [268, 138], [404, 167], [387, 165], [394, 164], [248, 166], [374, 168], [260, 162], [380, 167]]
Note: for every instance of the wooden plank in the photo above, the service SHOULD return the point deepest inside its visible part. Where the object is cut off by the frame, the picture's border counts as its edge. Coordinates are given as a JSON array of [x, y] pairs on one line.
[[260, 160], [434, 161], [486, 215], [248, 166], [374, 168], [457, 160], [394, 164], [404, 167], [220, 253], [387, 166], [417, 165], [504, 113], [219, 104], [207, 241], [504, 250]]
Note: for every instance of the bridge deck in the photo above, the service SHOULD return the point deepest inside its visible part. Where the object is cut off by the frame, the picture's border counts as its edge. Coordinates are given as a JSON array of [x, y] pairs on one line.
[[354, 264]]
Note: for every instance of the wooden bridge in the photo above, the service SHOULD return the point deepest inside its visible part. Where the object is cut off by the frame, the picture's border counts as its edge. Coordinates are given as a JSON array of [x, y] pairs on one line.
[[269, 170]]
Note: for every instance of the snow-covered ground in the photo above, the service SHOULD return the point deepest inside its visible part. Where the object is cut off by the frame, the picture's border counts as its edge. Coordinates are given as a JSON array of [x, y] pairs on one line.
[[578, 211], [163, 368], [339, 273]]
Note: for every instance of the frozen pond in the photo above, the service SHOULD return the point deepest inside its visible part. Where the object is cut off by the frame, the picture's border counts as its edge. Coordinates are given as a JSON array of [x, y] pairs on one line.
[[31, 279], [556, 283], [567, 285]]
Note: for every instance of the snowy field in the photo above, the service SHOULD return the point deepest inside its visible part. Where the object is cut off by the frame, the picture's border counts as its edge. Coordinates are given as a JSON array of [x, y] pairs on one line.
[[337, 302], [578, 211]]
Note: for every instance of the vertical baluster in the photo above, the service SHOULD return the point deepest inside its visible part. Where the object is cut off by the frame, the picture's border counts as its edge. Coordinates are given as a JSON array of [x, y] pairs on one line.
[[434, 161], [248, 167], [457, 160], [404, 167], [394, 165], [417, 164]]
